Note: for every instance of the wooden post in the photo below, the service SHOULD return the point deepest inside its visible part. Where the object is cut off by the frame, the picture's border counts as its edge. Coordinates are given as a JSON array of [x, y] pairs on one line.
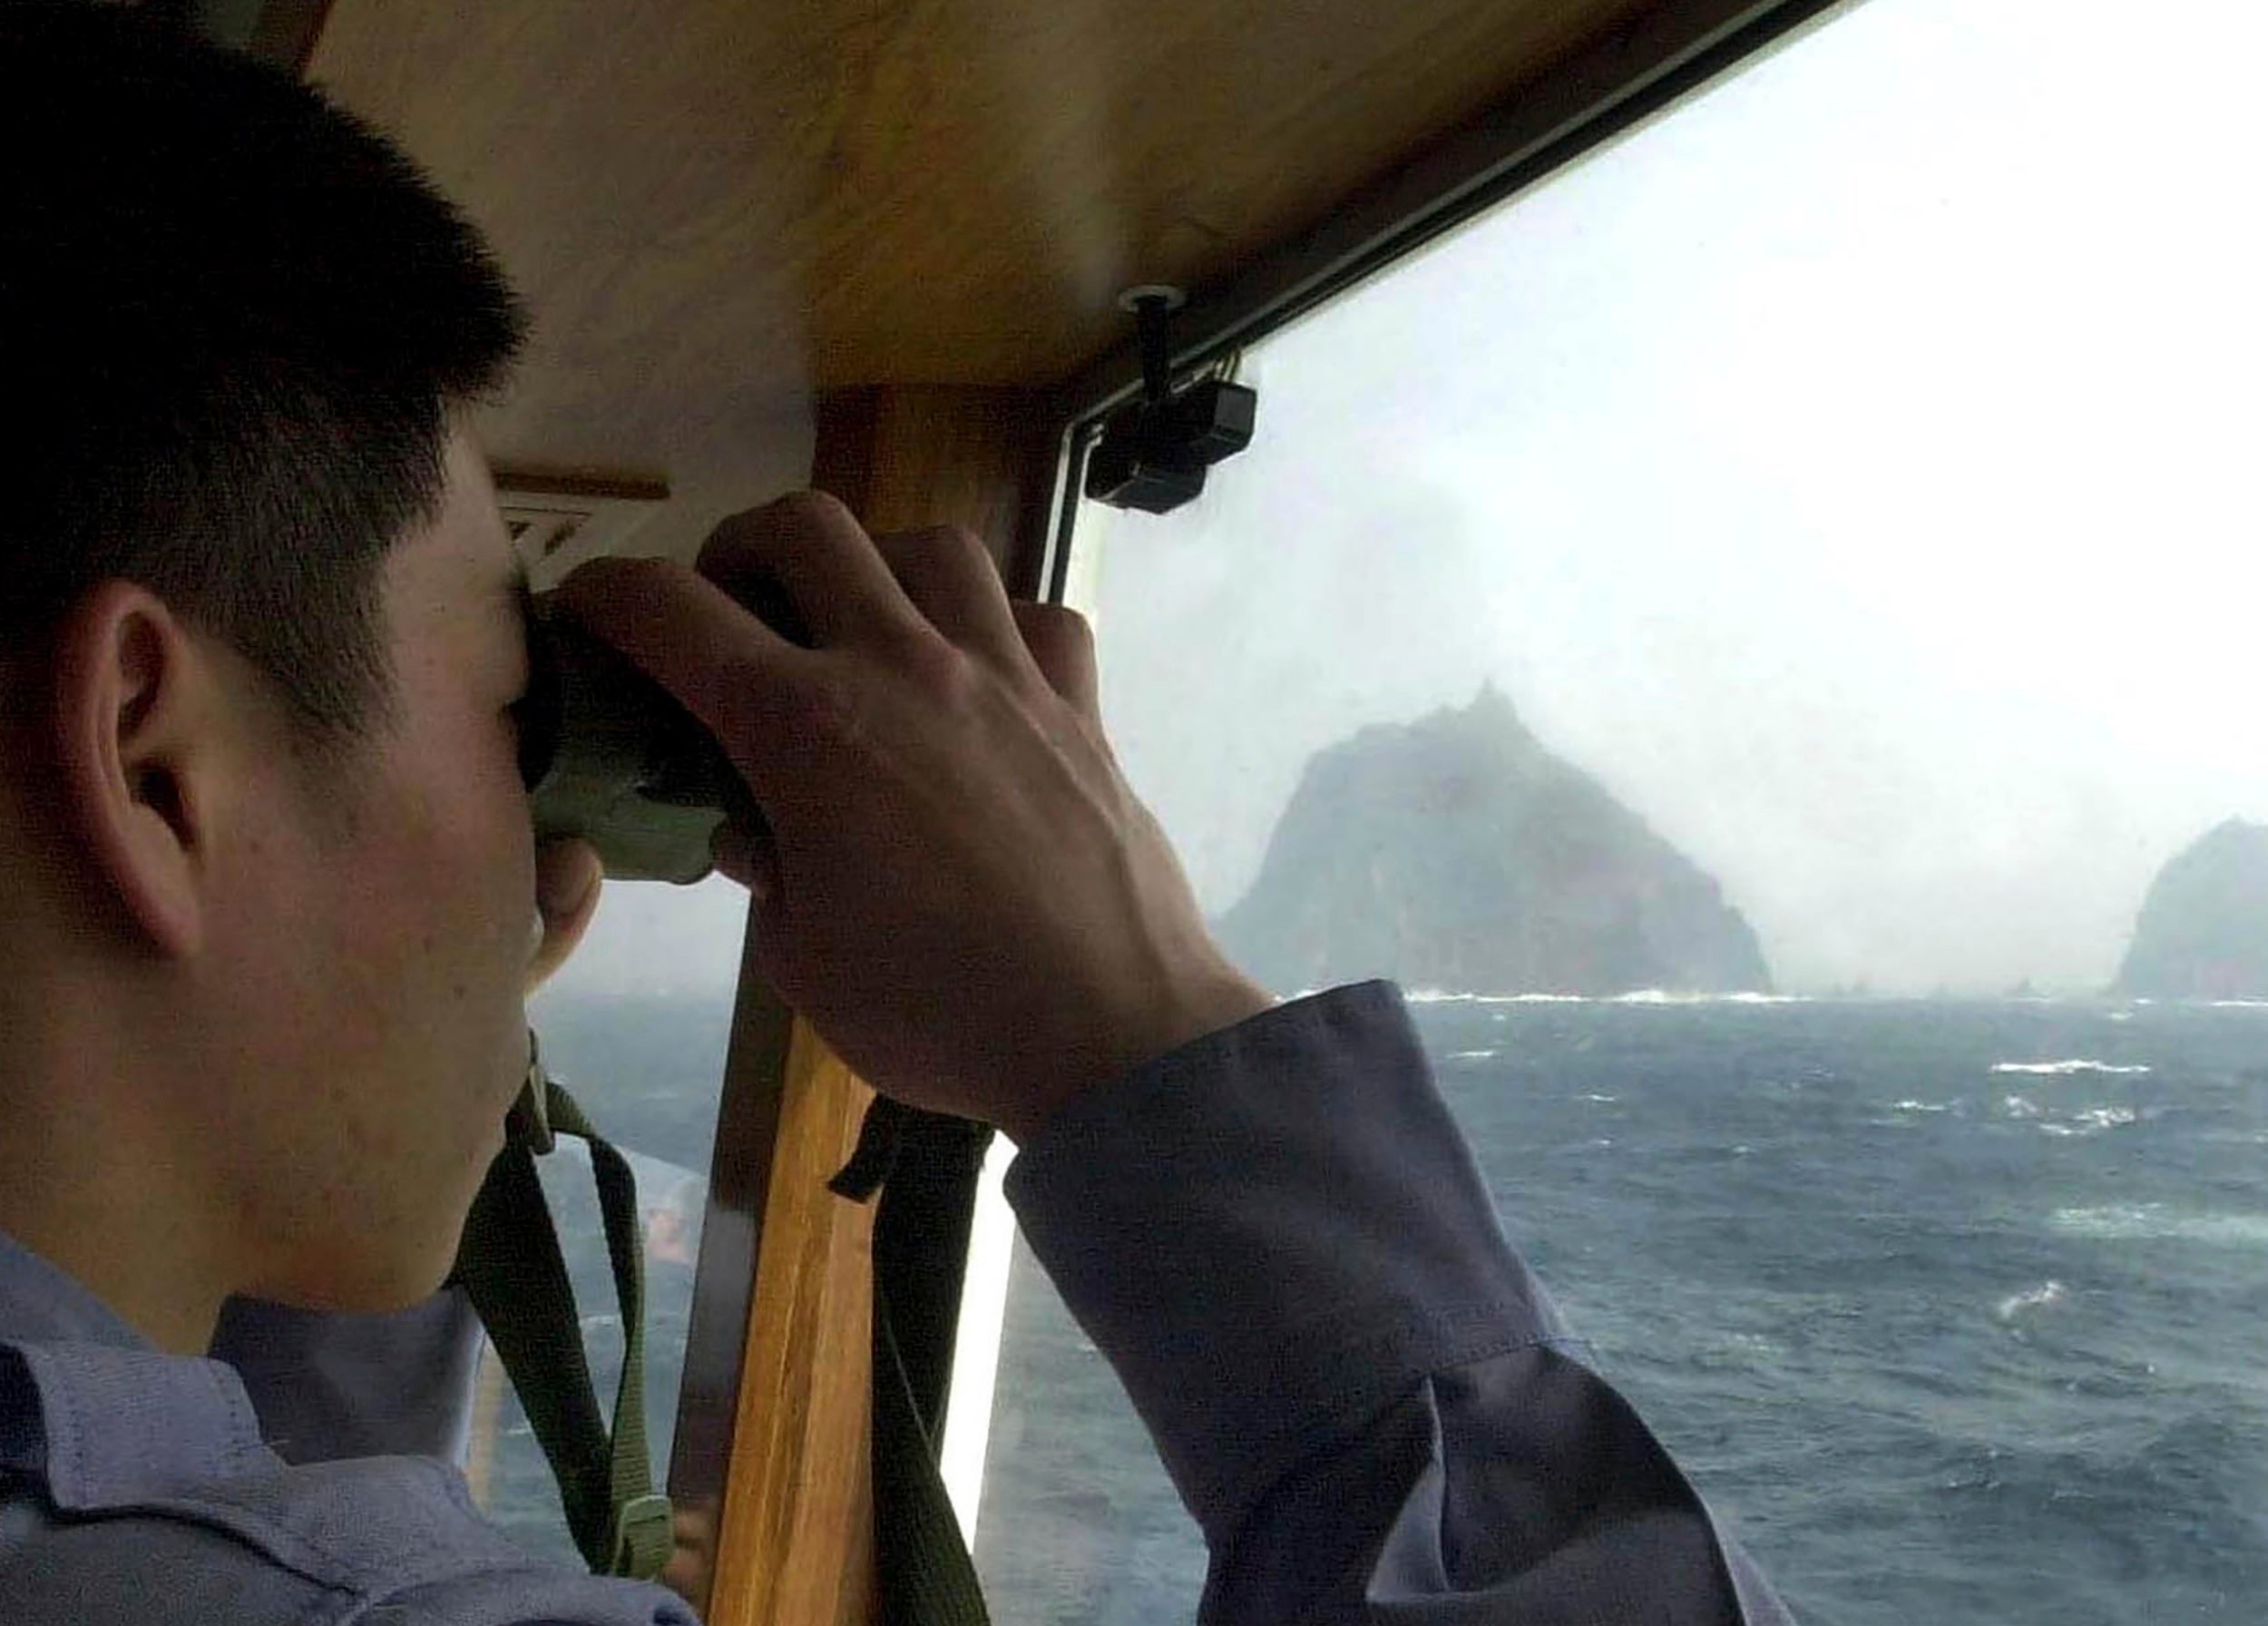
[[771, 1469]]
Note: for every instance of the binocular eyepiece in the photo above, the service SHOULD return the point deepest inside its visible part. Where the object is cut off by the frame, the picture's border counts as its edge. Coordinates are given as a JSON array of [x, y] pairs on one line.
[[608, 755]]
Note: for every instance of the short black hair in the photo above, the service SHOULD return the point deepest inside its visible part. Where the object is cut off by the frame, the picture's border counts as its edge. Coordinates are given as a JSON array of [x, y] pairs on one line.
[[234, 322]]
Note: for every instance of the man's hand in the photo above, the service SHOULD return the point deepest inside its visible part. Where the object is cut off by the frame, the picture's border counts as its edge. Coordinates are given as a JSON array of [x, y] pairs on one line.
[[958, 889]]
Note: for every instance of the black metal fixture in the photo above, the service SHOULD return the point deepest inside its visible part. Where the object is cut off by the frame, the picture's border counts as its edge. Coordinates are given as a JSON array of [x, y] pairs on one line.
[[1154, 452]]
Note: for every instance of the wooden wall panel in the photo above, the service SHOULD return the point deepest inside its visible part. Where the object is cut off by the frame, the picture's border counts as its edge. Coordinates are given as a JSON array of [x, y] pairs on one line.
[[908, 455], [720, 210], [953, 191], [771, 1465], [794, 1542]]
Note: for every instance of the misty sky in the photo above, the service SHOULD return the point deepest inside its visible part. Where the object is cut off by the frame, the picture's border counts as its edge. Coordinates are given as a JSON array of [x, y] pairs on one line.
[[1857, 469]]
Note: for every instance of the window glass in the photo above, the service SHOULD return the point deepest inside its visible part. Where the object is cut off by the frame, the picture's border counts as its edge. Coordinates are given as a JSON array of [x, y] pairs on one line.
[[1760, 636], [635, 1025]]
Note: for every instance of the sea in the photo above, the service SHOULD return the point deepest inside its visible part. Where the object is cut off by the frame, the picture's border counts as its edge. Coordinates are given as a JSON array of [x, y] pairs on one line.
[[1953, 1311]]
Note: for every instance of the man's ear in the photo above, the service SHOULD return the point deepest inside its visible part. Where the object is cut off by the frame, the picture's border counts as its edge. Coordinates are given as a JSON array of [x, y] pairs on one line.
[[137, 726]]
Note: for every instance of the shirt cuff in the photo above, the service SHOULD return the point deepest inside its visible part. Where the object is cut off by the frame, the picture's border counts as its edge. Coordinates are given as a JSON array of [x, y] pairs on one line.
[[1273, 1232]]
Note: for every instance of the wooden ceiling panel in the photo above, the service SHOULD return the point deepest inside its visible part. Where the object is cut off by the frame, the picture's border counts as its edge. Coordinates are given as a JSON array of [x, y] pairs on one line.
[[718, 208]]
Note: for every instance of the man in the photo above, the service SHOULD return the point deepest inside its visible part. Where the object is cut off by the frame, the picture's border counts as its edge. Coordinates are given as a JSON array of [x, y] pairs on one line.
[[270, 905]]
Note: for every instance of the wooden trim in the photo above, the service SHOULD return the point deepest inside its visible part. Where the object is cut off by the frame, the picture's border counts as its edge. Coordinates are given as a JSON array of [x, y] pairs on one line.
[[510, 480], [1049, 463], [559, 520], [771, 1470]]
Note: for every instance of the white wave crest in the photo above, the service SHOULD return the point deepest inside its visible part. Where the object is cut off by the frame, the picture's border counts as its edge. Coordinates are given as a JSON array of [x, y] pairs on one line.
[[1601, 1100], [1447, 996], [2094, 1121], [1670, 997], [2061, 1068], [2154, 1221], [1926, 1106], [1474, 1055], [1642, 996], [2031, 1298], [2020, 1106]]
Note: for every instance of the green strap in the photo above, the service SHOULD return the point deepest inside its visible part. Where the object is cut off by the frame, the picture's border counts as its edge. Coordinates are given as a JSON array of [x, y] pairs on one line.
[[927, 1574], [926, 1166], [510, 1265]]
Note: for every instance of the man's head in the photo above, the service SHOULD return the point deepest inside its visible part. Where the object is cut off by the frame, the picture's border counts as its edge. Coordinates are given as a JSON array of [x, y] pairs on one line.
[[265, 871]]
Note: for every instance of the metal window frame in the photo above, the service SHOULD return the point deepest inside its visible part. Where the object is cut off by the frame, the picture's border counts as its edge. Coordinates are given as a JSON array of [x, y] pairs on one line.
[[1637, 73]]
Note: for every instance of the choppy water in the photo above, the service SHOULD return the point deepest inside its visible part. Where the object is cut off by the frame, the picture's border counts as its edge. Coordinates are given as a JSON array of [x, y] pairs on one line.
[[1956, 1312]]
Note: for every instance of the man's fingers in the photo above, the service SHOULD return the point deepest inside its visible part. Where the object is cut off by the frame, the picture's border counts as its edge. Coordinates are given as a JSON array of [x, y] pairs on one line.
[[811, 545], [952, 581], [723, 664], [748, 855], [1064, 646]]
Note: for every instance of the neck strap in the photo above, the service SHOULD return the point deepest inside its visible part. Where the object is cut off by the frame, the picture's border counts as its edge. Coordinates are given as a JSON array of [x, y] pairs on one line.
[[510, 1265]]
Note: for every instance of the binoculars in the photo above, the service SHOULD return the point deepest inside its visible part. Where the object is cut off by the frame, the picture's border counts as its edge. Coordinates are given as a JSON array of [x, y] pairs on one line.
[[608, 755]]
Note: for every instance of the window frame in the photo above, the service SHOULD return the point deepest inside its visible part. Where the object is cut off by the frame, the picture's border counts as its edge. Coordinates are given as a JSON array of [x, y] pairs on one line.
[[1641, 72], [1637, 73]]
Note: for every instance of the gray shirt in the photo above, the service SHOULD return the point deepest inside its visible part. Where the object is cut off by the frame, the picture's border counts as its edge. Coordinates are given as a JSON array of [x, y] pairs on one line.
[[1276, 1234]]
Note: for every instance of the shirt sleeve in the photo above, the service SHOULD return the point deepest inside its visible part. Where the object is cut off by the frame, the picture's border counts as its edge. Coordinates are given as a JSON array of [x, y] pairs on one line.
[[1282, 1242], [330, 1386]]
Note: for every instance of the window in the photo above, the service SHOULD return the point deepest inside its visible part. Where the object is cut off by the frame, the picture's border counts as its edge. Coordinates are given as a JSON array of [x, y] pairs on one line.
[[635, 1025], [1741, 632]]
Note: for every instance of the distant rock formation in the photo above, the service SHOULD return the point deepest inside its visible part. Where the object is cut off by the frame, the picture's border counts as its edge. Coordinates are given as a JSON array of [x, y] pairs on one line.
[[1458, 853], [2203, 933]]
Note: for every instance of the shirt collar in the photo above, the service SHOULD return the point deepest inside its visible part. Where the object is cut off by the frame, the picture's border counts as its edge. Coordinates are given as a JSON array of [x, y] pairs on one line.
[[95, 1411], [38, 1301]]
